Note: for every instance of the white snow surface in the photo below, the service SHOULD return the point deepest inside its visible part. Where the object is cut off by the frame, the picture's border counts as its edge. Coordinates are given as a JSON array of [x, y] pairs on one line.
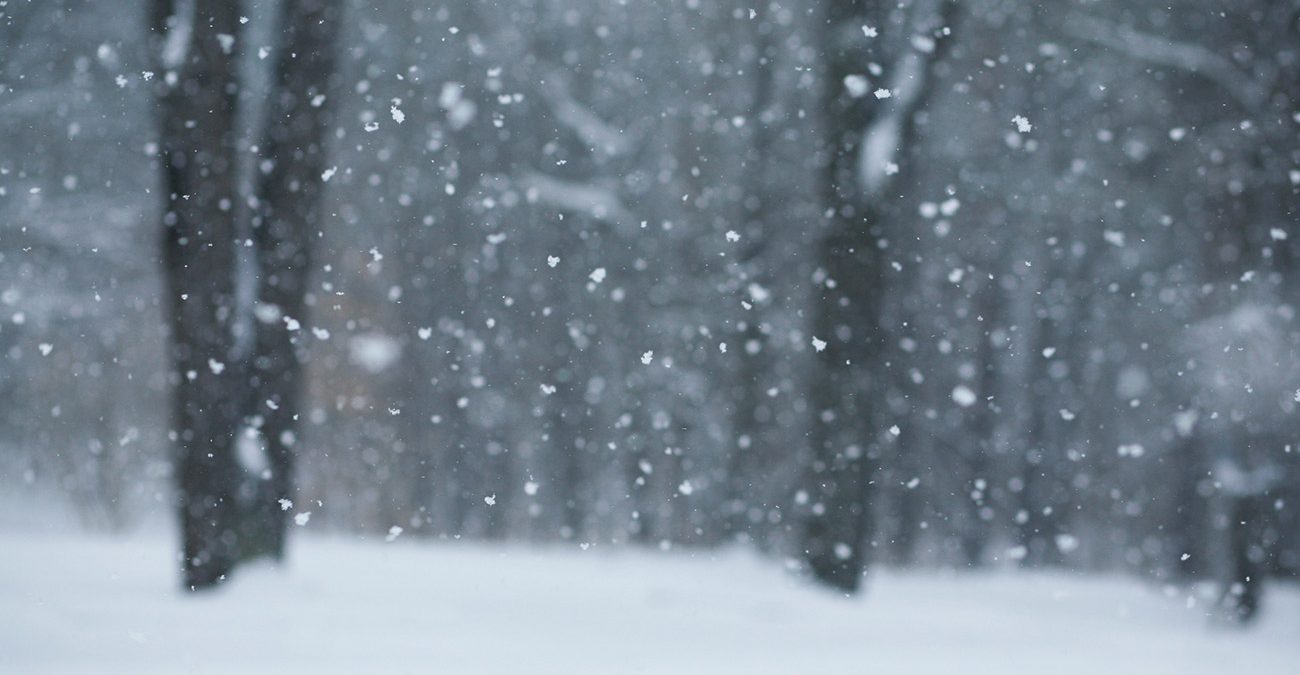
[[73, 603]]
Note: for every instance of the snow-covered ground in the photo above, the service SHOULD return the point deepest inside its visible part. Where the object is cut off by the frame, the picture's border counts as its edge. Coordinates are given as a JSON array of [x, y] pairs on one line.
[[86, 604]]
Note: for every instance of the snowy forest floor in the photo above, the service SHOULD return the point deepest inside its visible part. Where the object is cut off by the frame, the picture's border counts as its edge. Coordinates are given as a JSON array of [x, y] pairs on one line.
[[85, 603]]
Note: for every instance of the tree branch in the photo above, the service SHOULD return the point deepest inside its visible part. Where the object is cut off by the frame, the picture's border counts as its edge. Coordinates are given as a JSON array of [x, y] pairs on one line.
[[593, 200], [883, 138], [1184, 56], [594, 131]]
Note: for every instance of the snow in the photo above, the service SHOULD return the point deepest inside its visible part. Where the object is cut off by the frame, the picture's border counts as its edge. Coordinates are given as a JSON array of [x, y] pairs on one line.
[[373, 351], [857, 85], [79, 603]]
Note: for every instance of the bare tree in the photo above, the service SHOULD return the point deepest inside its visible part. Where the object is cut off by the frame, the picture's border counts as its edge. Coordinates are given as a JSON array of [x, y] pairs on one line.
[[866, 136], [199, 226], [290, 209], [228, 514]]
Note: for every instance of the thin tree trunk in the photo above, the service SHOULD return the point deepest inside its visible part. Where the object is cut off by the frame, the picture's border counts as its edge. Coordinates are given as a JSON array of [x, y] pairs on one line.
[[288, 218], [743, 462]]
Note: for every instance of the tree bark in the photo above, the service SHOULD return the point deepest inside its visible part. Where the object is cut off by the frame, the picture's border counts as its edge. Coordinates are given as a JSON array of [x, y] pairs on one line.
[[290, 209], [862, 140], [199, 233], [221, 522]]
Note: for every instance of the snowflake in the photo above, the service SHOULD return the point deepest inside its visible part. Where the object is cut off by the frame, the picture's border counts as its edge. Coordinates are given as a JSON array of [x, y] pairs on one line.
[[963, 396]]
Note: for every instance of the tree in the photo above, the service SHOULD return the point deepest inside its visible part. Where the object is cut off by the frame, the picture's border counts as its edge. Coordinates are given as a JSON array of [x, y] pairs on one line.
[[198, 109], [864, 145], [226, 513], [289, 207]]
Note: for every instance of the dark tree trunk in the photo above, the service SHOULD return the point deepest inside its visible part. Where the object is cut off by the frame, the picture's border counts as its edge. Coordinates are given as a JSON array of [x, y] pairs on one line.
[[199, 233], [289, 215], [1245, 571], [846, 306], [837, 527], [221, 522]]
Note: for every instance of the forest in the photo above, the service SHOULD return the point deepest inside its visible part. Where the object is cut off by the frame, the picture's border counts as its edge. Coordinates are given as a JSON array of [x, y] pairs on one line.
[[843, 296]]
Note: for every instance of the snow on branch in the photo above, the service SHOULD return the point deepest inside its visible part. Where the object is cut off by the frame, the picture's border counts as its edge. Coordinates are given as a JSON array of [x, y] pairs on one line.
[[598, 202], [1181, 55], [179, 34], [593, 130], [882, 139]]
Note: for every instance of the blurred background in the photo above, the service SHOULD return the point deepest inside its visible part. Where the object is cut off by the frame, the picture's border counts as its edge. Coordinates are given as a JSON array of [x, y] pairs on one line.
[[580, 261]]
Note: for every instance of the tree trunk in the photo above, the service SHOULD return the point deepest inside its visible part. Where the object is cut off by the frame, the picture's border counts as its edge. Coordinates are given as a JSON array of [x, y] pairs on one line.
[[288, 217], [1245, 573], [199, 233], [863, 142], [221, 523]]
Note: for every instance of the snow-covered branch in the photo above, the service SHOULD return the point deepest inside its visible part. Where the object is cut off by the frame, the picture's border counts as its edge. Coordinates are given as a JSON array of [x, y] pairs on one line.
[[1181, 55], [593, 130], [596, 201], [180, 29], [882, 139]]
